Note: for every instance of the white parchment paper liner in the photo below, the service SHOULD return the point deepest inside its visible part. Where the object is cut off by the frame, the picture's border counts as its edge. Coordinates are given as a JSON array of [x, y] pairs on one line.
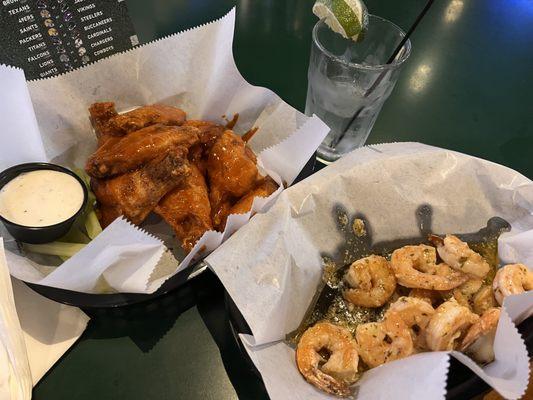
[[34, 331], [49, 328], [272, 266], [15, 373], [193, 70]]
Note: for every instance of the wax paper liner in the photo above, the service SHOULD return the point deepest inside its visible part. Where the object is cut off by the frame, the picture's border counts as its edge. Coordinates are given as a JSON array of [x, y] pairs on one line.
[[193, 70], [17, 113], [35, 332], [272, 266], [123, 256], [15, 374], [49, 328]]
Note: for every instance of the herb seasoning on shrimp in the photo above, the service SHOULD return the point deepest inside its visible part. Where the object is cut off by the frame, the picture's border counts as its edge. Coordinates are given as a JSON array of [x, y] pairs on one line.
[[387, 301]]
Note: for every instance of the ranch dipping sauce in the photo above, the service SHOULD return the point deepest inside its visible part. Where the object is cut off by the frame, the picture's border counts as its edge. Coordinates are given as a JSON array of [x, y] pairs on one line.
[[41, 198]]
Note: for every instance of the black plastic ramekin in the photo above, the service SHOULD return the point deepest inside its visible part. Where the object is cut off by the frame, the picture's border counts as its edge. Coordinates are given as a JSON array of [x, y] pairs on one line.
[[39, 234]]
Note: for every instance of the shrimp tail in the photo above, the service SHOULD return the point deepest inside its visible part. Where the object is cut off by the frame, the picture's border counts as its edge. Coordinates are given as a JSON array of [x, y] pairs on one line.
[[327, 383], [435, 240]]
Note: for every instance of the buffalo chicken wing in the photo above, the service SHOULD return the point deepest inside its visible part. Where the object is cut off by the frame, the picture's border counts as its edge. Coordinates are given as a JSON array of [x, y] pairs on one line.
[[232, 172], [135, 194], [265, 188], [192, 173], [187, 210], [138, 148], [145, 116]]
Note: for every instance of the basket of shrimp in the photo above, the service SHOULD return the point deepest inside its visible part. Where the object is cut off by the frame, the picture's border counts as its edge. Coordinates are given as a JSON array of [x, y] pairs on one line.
[[168, 150], [370, 277]]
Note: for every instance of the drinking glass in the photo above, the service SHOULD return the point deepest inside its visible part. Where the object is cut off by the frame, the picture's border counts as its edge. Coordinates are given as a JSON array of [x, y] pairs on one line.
[[349, 82]]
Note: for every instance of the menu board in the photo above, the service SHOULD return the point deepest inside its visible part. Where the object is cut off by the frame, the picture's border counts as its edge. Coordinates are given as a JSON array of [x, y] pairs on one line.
[[49, 37]]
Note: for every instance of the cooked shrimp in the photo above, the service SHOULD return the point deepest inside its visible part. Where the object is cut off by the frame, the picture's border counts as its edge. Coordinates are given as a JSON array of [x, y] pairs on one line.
[[450, 322], [335, 374], [370, 282], [483, 300], [416, 267], [470, 287], [465, 292], [512, 279], [416, 314], [479, 340], [460, 257], [432, 297], [381, 342]]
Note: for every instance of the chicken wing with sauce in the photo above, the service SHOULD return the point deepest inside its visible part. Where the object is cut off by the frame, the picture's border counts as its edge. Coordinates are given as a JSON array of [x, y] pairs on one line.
[[232, 172], [265, 188], [187, 210], [209, 132], [100, 115], [141, 165], [144, 116], [138, 148], [108, 123], [135, 194]]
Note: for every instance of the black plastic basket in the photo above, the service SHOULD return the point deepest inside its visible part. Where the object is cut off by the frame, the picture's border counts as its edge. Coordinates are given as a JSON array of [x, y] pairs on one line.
[[462, 382]]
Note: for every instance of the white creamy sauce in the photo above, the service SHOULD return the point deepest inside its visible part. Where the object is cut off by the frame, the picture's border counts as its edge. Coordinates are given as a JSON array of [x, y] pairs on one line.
[[41, 198]]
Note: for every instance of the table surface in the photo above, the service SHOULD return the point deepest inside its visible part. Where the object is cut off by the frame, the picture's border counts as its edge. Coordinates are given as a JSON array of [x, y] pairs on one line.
[[466, 86]]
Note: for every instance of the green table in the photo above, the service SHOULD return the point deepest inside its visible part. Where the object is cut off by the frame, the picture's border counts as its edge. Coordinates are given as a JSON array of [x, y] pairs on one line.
[[465, 87]]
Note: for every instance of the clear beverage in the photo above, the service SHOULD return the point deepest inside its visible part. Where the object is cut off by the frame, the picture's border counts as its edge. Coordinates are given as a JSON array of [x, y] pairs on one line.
[[349, 82]]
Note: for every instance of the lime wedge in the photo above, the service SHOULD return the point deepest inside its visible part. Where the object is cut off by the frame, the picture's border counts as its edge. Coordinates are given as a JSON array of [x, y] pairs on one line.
[[348, 18]]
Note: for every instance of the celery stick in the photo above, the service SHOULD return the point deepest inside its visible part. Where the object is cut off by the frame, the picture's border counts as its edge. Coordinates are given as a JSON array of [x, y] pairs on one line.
[[75, 235], [92, 225], [87, 180], [82, 174], [61, 249]]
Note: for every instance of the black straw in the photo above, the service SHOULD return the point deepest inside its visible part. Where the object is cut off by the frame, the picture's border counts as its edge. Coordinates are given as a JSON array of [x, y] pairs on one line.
[[383, 73]]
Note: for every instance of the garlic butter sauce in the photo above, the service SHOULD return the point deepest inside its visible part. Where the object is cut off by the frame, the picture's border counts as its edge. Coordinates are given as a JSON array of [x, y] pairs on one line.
[[41, 198]]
